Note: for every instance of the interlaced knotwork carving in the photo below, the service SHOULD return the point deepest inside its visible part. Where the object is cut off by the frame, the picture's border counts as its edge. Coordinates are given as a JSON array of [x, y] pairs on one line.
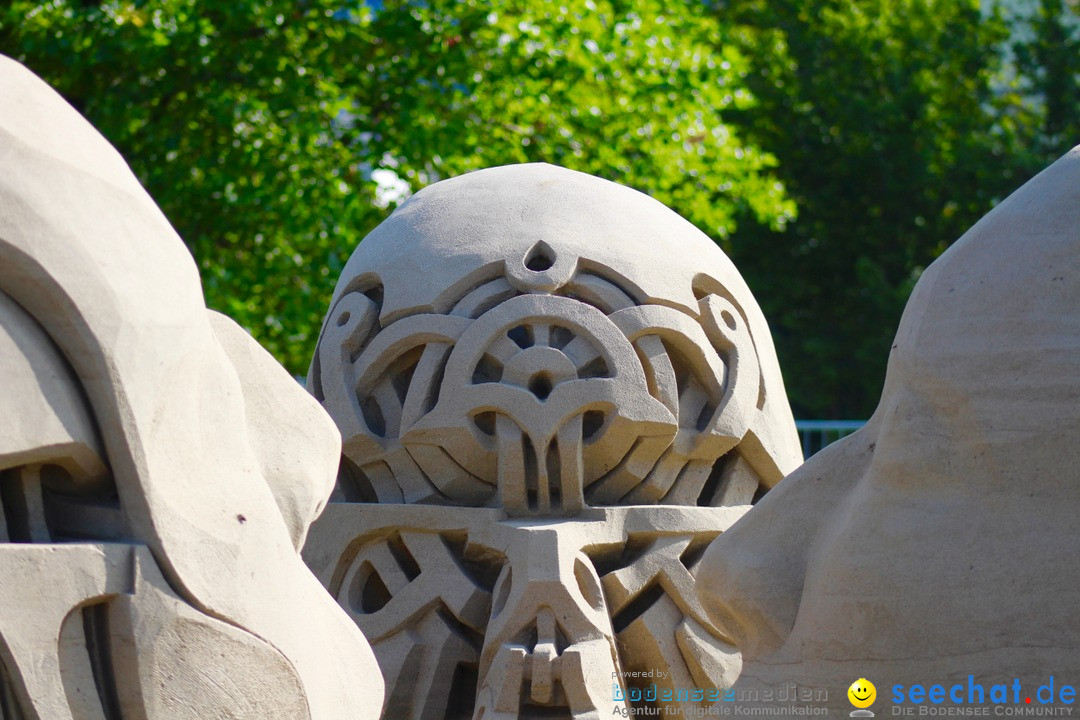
[[539, 401], [658, 617], [487, 618], [423, 612]]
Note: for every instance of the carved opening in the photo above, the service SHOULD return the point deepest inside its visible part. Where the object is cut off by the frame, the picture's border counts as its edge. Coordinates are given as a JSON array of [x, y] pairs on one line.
[[703, 418], [540, 258], [435, 387], [521, 335], [44, 503], [560, 337], [539, 263], [562, 640], [373, 416], [554, 475], [540, 386], [353, 484], [20, 495], [591, 422], [694, 552], [381, 409], [466, 633], [375, 295], [609, 560], [595, 368], [96, 628], [462, 698], [73, 513], [707, 496], [485, 422], [532, 473], [759, 493], [489, 369], [696, 405], [402, 376], [528, 637], [353, 345], [358, 337], [369, 593], [403, 557]]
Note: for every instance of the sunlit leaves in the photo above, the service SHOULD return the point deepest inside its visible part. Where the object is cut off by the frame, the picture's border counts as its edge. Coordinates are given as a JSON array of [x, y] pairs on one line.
[[276, 134]]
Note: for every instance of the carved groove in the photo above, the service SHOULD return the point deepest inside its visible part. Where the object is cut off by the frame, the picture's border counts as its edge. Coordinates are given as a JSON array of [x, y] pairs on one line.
[[10, 709], [463, 691], [96, 629], [709, 490], [636, 607], [20, 494], [353, 484]]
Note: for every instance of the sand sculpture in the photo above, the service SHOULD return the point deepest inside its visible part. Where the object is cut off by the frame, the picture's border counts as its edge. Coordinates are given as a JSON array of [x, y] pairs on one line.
[[159, 469], [554, 395], [553, 392], [939, 545]]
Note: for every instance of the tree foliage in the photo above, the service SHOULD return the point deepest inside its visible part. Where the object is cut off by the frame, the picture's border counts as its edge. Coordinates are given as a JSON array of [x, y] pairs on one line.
[[1047, 52], [897, 124], [271, 132], [832, 147]]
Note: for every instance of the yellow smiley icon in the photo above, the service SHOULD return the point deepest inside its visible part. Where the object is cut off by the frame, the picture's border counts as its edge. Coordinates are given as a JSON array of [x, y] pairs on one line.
[[862, 693]]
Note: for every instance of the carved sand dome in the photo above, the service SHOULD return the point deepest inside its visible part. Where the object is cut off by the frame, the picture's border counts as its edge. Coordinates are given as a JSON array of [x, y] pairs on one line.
[[553, 392]]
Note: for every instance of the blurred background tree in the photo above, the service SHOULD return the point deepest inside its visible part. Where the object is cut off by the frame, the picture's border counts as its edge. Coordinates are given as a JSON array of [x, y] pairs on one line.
[[832, 147], [897, 124]]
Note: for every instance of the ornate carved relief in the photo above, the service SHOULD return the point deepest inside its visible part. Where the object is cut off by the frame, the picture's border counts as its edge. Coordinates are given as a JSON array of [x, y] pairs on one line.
[[542, 403], [522, 616], [585, 429]]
